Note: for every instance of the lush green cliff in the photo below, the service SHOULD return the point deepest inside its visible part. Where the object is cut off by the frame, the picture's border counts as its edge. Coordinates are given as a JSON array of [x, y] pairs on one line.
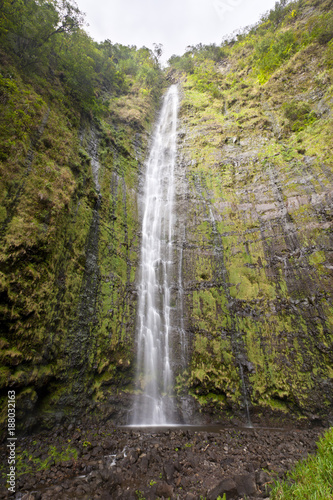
[[72, 148], [253, 258], [256, 146]]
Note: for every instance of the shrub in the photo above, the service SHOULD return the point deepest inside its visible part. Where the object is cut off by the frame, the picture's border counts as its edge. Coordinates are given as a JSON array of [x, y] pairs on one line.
[[183, 63], [277, 14], [322, 29], [272, 51], [329, 55], [299, 114]]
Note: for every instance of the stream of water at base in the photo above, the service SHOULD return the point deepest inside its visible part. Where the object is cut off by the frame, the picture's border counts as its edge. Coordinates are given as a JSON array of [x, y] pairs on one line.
[[154, 403]]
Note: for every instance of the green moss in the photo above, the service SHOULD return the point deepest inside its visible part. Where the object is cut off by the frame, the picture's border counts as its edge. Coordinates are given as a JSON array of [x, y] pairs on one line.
[[49, 207]]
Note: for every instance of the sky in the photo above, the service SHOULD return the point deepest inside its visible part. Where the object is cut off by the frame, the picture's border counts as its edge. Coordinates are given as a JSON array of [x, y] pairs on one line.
[[173, 23]]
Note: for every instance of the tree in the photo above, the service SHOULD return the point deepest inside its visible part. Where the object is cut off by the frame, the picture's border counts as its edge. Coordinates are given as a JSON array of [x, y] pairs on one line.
[[158, 50], [27, 26]]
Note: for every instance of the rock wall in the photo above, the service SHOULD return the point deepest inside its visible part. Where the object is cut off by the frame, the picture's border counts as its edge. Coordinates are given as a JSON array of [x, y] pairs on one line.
[[69, 252], [252, 283], [257, 253]]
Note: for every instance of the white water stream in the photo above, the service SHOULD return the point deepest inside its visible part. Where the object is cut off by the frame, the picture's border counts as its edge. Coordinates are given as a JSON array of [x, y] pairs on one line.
[[154, 403]]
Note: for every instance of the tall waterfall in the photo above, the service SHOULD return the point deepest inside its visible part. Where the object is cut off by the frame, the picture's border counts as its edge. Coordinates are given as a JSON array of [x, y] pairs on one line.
[[154, 403]]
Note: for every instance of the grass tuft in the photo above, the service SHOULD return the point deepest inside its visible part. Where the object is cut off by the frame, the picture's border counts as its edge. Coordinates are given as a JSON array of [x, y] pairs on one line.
[[312, 478]]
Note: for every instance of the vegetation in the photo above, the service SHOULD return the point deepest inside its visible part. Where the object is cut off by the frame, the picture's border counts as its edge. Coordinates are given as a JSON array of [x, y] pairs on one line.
[[268, 44], [311, 478], [28, 463], [67, 102], [255, 109], [259, 298], [47, 39], [299, 114]]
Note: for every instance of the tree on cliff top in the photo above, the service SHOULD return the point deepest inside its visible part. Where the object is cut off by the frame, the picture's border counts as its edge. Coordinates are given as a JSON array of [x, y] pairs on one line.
[[27, 27]]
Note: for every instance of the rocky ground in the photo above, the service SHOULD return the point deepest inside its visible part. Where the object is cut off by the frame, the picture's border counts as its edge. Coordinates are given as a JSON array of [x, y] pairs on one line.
[[104, 462]]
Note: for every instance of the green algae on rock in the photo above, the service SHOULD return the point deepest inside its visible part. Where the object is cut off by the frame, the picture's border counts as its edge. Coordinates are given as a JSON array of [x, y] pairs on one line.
[[257, 254]]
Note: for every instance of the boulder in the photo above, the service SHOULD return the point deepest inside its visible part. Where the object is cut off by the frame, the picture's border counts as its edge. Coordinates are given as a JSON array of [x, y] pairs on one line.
[[227, 486], [246, 484], [164, 489]]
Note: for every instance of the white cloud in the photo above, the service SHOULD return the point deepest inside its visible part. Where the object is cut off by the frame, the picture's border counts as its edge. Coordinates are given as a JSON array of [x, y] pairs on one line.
[[174, 23]]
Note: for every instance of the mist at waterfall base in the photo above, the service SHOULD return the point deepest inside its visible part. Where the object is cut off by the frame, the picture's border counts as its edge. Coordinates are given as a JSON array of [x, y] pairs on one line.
[[154, 405]]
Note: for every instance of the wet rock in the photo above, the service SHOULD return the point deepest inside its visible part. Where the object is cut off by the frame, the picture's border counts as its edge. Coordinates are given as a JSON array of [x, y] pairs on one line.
[[191, 496], [109, 444], [246, 484], [164, 490], [133, 456], [106, 496], [151, 472], [57, 489], [144, 463], [227, 486], [114, 479], [34, 495], [169, 470]]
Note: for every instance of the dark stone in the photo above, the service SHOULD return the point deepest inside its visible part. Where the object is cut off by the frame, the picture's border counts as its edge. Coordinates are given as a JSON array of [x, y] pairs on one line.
[[144, 464], [227, 486], [106, 474], [38, 495], [164, 489], [97, 451], [169, 470], [177, 466], [227, 461], [212, 456], [246, 484], [115, 479], [109, 444], [127, 495], [133, 456], [67, 465], [106, 496], [193, 460], [250, 467], [185, 482]]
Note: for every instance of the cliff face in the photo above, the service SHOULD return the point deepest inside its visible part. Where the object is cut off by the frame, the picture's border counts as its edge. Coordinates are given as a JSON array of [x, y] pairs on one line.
[[257, 252], [69, 247], [252, 294]]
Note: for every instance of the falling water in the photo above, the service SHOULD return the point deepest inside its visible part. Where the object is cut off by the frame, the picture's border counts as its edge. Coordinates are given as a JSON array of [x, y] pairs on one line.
[[154, 404]]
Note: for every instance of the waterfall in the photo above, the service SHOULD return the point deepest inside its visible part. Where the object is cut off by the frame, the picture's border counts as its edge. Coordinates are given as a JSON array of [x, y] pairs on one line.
[[154, 403]]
